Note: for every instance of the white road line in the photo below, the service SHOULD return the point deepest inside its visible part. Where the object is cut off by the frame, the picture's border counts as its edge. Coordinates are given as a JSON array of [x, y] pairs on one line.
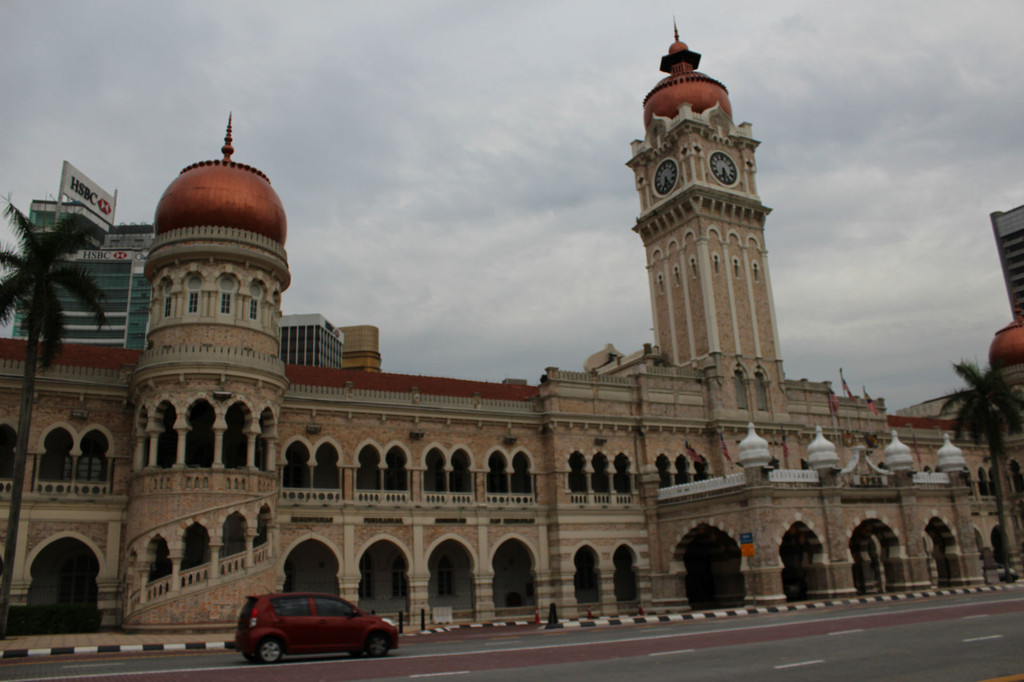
[[797, 665], [980, 615], [454, 672], [845, 632], [982, 639], [669, 653]]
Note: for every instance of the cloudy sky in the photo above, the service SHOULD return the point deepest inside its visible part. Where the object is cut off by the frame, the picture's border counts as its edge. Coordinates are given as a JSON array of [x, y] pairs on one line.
[[453, 171]]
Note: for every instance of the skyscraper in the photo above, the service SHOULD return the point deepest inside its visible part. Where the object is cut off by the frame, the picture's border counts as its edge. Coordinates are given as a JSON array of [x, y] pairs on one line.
[[1008, 228]]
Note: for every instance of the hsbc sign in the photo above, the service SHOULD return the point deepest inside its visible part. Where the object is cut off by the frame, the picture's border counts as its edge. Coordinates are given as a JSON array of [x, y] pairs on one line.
[[109, 255], [77, 186]]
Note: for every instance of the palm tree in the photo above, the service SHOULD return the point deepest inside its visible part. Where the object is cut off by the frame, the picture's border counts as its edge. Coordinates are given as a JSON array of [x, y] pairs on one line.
[[33, 278], [988, 409]]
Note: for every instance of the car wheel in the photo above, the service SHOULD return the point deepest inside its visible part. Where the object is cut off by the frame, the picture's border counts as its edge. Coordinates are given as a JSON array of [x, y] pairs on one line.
[[270, 650], [377, 644]]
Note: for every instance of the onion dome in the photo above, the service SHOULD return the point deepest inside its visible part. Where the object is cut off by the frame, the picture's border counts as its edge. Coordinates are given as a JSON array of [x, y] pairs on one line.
[[754, 449], [951, 458], [897, 455], [821, 453], [222, 193], [684, 84], [1007, 347]]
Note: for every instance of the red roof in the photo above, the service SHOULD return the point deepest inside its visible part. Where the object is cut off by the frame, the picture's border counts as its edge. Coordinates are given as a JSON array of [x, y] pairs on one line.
[[76, 355], [896, 421], [302, 375]]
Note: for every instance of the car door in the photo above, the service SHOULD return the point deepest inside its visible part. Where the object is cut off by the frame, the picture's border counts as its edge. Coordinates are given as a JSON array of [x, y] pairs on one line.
[[295, 620], [337, 628]]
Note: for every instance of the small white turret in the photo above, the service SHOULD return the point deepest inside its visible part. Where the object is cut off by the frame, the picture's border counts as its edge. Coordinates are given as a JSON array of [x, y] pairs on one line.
[[821, 453]]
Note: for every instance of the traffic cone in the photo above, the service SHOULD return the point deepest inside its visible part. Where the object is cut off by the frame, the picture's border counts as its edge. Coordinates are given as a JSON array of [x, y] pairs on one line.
[[590, 616], [536, 616], [641, 610]]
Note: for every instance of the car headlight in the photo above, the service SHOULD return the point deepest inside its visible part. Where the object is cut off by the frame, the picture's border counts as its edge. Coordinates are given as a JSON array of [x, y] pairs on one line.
[[389, 622]]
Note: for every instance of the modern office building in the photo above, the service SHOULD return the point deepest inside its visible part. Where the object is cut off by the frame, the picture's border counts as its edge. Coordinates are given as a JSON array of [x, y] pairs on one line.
[[310, 340], [118, 265], [167, 484], [1008, 228]]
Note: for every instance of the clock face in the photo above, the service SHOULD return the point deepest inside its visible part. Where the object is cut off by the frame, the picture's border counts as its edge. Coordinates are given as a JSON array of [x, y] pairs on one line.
[[723, 167], [665, 176]]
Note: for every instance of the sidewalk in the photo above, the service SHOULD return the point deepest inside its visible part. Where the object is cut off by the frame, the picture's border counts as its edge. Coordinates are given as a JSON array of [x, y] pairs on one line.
[[115, 641]]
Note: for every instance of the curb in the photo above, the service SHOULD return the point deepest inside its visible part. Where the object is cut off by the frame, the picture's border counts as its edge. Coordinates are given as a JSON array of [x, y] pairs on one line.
[[114, 649]]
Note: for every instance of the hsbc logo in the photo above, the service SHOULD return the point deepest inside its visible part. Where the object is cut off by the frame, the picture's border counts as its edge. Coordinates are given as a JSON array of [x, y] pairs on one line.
[[119, 255], [83, 190]]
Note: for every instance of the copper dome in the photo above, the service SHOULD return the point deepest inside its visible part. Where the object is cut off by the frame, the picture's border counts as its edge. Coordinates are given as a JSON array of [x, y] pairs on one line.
[[222, 193], [684, 84], [1007, 347]]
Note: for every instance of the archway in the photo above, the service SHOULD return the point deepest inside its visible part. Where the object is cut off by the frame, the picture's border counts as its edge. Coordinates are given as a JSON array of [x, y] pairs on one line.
[[712, 560], [384, 578], [64, 572], [874, 548], [451, 577], [513, 576], [311, 566], [625, 574], [803, 572], [943, 546], [586, 580]]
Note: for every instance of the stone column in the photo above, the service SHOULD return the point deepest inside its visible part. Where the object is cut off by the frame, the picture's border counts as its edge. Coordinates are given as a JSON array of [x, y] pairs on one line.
[[483, 596], [219, 428], [250, 449], [182, 428], [174, 556], [154, 441]]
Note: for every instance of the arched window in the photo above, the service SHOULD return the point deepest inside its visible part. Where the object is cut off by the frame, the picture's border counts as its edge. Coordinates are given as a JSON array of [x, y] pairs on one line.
[[8, 439], [366, 577], [1016, 477], [621, 479], [761, 391], [55, 464], [255, 294], [195, 283], [664, 475], [661, 283], [982, 482], [227, 287], [757, 272], [435, 479], [599, 476], [714, 259], [682, 474], [296, 459], [168, 305], [520, 481], [741, 389], [394, 474], [693, 267], [92, 465], [736, 267], [459, 479], [577, 475], [368, 474], [497, 478], [399, 584], [675, 273]]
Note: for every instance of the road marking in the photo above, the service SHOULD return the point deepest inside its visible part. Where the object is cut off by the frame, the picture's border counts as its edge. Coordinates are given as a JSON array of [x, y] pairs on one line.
[[982, 639], [91, 665], [980, 615], [669, 653], [797, 665], [845, 632], [455, 672]]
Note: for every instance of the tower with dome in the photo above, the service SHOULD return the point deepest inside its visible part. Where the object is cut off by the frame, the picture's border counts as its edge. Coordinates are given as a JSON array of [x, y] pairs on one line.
[[166, 485]]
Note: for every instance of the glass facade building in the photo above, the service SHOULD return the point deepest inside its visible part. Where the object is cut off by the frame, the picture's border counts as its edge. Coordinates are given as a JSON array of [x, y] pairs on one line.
[[1008, 227], [310, 340]]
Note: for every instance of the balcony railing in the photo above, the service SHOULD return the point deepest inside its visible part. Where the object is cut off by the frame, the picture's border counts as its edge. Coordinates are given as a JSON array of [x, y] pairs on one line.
[[602, 499], [511, 499]]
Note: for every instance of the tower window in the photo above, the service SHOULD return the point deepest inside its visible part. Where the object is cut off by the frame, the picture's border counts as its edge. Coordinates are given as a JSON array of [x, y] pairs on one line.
[[255, 293], [761, 391], [227, 289], [167, 300], [693, 267], [675, 272], [741, 390], [194, 285], [757, 274], [714, 259], [736, 267], [225, 304], [661, 283]]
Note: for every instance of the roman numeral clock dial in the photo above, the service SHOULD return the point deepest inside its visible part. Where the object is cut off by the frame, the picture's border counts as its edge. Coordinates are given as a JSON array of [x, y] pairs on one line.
[[723, 168], [665, 176]]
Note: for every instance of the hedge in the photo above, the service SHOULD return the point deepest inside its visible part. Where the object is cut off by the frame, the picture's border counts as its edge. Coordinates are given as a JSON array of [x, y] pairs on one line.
[[53, 619]]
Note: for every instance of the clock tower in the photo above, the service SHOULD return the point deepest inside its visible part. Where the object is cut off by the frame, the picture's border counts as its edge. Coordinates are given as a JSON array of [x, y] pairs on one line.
[[702, 225]]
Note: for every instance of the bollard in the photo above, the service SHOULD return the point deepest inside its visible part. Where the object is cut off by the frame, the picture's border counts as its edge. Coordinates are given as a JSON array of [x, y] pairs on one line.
[[641, 610], [423, 620], [590, 615], [536, 616], [552, 615], [401, 622]]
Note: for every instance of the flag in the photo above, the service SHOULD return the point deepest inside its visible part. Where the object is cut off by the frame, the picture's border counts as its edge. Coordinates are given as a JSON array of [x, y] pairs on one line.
[[870, 440], [725, 450], [917, 453], [846, 388], [871, 403], [833, 402], [785, 451], [691, 453]]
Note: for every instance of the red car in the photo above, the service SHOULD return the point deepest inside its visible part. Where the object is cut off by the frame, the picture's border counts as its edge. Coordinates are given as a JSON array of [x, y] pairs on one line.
[[273, 625]]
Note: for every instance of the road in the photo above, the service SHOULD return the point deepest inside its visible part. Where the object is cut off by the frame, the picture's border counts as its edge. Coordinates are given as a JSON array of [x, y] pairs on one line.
[[975, 637]]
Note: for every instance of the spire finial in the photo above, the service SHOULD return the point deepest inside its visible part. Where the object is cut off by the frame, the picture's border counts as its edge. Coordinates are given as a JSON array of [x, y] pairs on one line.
[[227, 149], [675, 29]]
